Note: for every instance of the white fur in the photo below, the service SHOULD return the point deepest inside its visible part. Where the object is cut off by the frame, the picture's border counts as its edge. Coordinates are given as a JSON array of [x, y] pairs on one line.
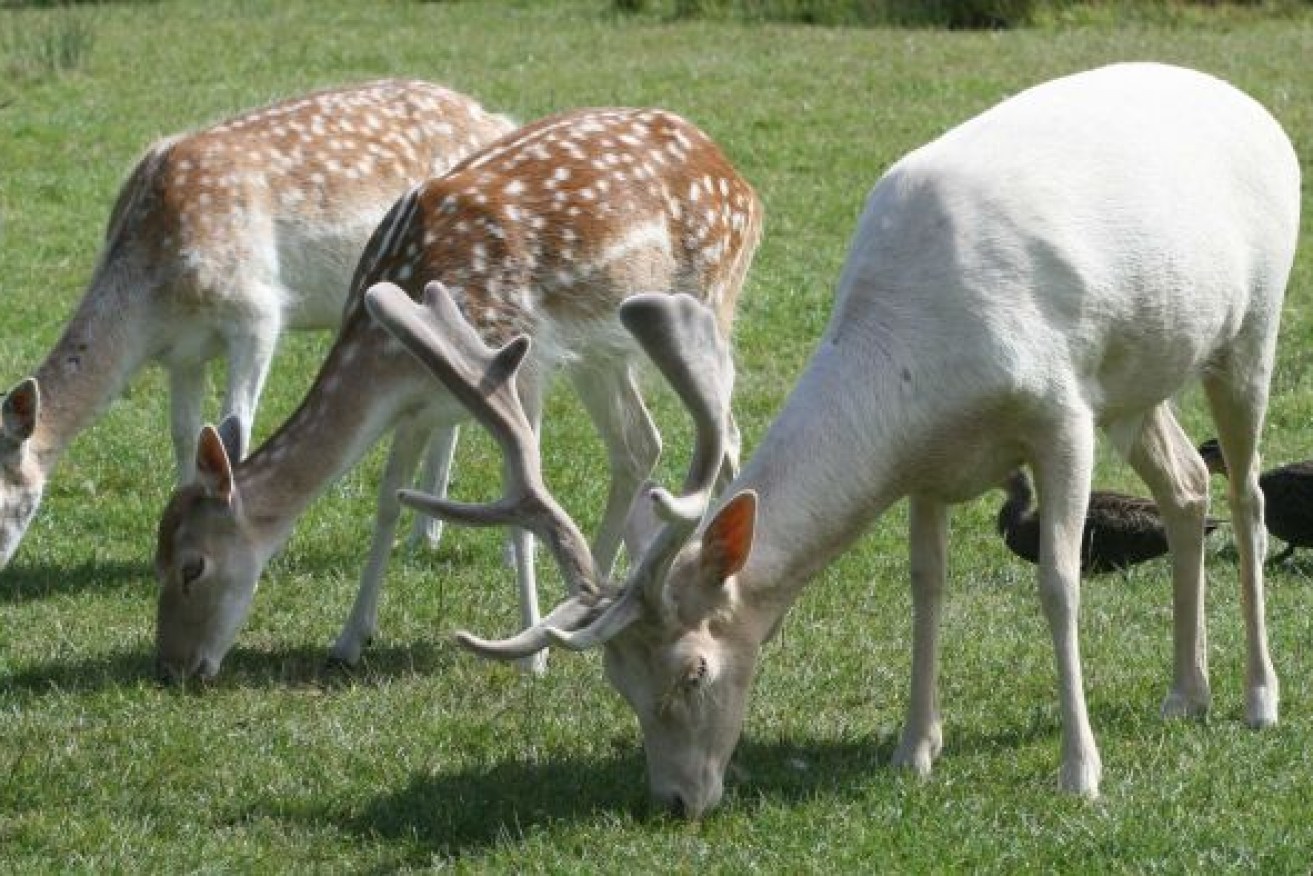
[[1065, 261]]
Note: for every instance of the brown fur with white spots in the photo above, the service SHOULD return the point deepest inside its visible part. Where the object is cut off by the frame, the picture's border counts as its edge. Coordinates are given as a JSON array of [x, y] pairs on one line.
[[219, 240], [545, 233]]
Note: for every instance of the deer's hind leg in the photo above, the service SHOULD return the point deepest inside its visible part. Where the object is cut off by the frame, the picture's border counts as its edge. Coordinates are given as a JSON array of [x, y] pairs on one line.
[[1238, 398], [1166, 460]]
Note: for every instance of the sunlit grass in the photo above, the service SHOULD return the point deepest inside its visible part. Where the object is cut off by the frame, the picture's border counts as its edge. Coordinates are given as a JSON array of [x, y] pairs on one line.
[[425, 756]]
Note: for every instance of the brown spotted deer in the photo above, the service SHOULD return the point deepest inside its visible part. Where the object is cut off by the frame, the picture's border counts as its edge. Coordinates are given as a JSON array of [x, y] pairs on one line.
[[544, 233], [1065, 261], [219, 240]]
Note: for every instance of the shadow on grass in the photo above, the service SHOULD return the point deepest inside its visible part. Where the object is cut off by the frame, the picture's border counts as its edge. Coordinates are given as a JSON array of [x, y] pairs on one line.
[[29, 582], [462, 813], [450, 816], [1298, 565], [471, 811], [299, 666]]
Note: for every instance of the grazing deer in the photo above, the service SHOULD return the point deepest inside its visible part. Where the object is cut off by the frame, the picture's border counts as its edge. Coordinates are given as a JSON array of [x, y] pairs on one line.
[[543, 233], [218, 241], [1065, 261]]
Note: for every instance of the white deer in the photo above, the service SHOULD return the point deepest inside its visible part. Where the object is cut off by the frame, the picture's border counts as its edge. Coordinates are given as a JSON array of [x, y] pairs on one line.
[[219, 240], [544, 233], [1065, 261]]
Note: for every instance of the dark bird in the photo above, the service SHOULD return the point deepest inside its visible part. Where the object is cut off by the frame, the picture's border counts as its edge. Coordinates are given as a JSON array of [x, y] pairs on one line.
[[1120, 530], [1287, 498]]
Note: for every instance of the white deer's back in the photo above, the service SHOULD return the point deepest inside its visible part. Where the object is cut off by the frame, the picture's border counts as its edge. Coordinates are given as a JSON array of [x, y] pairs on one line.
[[1123, 220], [1096, 240]]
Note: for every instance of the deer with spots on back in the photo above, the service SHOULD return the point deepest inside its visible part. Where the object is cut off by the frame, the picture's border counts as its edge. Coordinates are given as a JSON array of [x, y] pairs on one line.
[[544, 234], [219, 240]]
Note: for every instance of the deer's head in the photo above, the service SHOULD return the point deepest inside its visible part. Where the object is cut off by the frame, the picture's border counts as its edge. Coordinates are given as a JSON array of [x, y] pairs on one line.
[[206, 563]]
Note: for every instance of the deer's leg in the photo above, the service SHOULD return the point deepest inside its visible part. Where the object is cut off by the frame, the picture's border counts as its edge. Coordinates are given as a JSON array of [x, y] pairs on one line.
[[1178, 479], [434, 478], [1238, 398], [530, 389], [186, 399], [633, 444], [922, 736], [250, 353], [1063, 469], [407, 445]]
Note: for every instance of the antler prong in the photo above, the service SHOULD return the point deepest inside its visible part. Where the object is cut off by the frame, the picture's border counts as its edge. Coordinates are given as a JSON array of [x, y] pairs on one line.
[[571, 613], [680, 335], [678, 509], [483, 379], [619, 614]]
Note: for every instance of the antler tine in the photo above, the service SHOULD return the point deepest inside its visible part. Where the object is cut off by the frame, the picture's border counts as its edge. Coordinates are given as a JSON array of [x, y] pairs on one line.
[[680, 336], [568, 615], [483, 380]]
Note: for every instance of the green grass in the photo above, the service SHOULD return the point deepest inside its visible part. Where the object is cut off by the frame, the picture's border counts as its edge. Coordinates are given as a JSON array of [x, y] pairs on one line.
[[53, 44], [425, 757]]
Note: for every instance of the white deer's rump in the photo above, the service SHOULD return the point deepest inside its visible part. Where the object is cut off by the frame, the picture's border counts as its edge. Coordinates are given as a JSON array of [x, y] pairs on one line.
[[1065, 261]]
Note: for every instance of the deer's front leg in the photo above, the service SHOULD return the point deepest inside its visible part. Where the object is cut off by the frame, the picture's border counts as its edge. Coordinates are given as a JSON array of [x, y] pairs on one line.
[[186, 394], [1176, 475], [250, 353], [521, 541], [407, 445], [923, 736], [1063, 476]]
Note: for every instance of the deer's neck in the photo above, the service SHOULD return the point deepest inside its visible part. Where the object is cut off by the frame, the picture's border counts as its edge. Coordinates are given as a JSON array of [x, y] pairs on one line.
[[821, 474], [102, 347], [366, 386], [863, 428], [873, 419]]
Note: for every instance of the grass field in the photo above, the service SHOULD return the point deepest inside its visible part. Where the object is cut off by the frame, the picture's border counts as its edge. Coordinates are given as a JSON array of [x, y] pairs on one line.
[[425, 757]]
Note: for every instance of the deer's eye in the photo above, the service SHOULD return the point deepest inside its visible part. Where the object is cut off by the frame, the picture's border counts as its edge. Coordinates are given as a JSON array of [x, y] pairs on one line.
[[192, 569]]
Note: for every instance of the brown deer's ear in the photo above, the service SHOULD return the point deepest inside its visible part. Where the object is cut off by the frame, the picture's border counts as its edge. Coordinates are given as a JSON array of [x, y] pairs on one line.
[[728, 540], [213, 468], [18, 417]]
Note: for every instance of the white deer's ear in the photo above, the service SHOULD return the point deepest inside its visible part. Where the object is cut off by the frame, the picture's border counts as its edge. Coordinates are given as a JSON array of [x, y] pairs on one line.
[[728, 539], [213, 467], [18, 418]]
